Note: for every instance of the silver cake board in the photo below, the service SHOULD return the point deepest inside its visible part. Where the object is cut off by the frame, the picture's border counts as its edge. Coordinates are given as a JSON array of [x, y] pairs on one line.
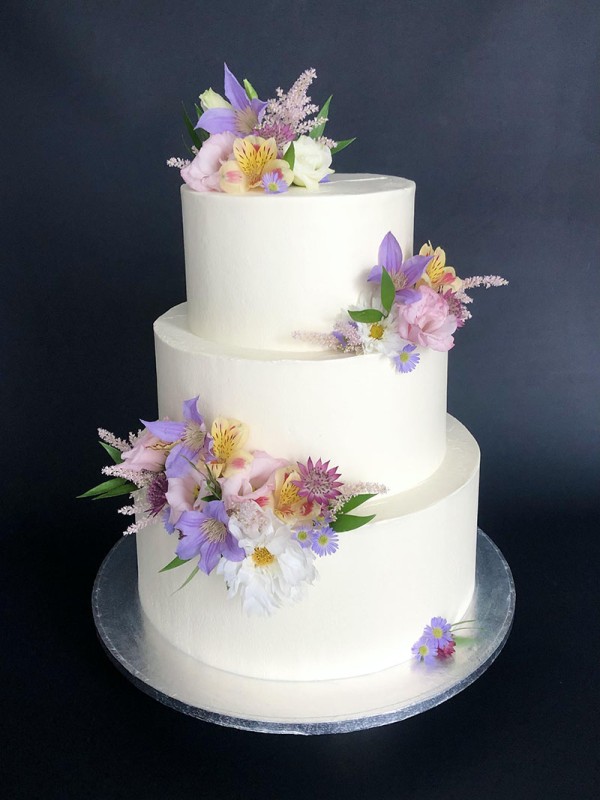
[[303, 707]]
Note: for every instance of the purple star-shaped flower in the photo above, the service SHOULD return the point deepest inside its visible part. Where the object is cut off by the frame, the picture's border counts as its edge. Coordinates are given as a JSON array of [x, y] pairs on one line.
[[206, 534], [242, 119], [404, 274], [191, 437]]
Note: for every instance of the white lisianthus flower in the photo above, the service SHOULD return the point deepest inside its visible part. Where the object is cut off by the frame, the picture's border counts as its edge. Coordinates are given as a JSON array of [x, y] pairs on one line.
[[311, 162], [212, 99], [276, 570]]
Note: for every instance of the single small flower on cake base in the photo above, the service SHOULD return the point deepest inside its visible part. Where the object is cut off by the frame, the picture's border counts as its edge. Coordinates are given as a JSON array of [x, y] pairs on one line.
[[206, 534], [229, 437], [253, 157], [437, 274], [406, 360], [324, 541], [318, 482], [404, 274], [439, 631], [425, 650]]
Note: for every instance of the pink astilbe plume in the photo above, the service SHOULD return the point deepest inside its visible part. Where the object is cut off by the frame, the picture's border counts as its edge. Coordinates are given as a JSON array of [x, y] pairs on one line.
[[177, 163], [112, 440], [139, 478], [290, 109]]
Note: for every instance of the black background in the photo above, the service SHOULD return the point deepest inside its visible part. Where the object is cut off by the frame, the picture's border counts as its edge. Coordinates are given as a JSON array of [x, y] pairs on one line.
[[493, 108]]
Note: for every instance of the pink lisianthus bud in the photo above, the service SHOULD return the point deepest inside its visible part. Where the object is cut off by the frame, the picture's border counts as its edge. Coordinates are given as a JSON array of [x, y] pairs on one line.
[[203, 172], [143, 455], [428, 321], [255, 482]]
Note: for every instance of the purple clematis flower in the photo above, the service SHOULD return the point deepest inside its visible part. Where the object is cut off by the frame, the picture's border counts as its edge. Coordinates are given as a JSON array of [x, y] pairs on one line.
[[190, 435], [206, 534], [242, 118], [404, 274]]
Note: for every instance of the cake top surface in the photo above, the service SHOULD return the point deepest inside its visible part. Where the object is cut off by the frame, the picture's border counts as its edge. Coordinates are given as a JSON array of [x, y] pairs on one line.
[[339, 185]]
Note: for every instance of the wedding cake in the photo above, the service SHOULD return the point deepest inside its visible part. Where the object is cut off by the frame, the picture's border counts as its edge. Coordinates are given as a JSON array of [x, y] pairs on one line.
[[304, 378]]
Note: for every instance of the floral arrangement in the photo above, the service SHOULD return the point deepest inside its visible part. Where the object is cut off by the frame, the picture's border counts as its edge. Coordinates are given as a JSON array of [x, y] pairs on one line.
[[241, 143], [438, 640], [417, 302], [258, 521]]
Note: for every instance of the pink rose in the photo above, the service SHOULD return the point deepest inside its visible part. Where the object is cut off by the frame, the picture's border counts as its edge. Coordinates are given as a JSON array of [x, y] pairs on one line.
[[256, 482], [142, 456], [203, 173], [427, 322]]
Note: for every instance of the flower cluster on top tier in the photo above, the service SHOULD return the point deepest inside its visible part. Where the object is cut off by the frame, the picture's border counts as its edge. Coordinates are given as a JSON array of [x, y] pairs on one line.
[[417, 302], [241, 143], [259, 521]]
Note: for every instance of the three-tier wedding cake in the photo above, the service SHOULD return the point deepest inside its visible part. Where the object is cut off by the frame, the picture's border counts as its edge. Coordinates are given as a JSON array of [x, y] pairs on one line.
[[303, 379]]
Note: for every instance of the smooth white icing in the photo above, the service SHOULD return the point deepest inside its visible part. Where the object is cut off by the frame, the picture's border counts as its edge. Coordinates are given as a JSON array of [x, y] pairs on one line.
[[370, 603], [374, 423], [259, 267]]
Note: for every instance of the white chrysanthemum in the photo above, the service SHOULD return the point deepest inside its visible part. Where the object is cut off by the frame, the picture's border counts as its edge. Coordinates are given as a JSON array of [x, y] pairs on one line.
[[276, 570]]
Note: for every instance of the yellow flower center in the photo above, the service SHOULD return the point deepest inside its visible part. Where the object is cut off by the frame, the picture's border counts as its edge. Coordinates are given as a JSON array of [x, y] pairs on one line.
[[437, 633], [262, 557], [423, 650], [289, 495], [376, 331], [253, 154], [404, 357]]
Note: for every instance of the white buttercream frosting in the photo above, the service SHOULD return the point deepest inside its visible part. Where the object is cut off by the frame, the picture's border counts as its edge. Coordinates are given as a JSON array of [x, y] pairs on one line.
[[372, 598], [375, 424], [259, 267]]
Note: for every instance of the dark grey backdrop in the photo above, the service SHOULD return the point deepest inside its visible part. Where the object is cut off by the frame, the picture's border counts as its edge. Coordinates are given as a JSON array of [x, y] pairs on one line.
[[492, 107]]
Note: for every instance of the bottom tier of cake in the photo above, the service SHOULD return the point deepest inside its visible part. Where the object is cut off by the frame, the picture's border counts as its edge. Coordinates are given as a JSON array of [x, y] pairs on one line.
[[416, 560]]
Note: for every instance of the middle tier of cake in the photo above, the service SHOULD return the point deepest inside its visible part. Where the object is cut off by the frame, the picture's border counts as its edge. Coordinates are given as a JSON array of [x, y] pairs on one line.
[[375, 424]]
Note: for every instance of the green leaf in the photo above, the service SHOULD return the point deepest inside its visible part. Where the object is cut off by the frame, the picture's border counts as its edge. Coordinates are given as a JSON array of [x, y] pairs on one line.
[[197, 136], [105, 486], [177, 562], [366, 315], [355, 501], [192, 574], [324, 112], [250, 90], [342, 145], [290, 155], [126, 488], [349, 522], [388, 290], [112, 452]]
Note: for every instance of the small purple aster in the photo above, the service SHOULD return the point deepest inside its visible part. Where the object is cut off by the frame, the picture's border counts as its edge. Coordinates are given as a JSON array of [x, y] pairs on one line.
[[303, 536], [324, 541], [425, 649], [407, 359], [273, 182], [439, 631], [318, 483]]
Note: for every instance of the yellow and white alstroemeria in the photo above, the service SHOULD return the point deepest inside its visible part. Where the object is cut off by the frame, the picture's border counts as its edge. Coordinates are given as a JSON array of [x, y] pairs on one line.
[[253, 157], [229, 437], [437, 275], [288, 505]]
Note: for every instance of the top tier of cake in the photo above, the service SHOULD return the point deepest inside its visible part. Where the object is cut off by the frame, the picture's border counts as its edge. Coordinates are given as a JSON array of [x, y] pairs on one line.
[[259, 267]]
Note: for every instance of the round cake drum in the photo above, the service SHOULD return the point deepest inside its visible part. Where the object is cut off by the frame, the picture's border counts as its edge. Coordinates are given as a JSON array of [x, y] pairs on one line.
[[334, 706]]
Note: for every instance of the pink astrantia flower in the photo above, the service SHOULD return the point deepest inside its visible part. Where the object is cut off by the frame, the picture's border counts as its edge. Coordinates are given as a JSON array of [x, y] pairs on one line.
[[203, 172], [147, 453], [318, 483], [428, 321]]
